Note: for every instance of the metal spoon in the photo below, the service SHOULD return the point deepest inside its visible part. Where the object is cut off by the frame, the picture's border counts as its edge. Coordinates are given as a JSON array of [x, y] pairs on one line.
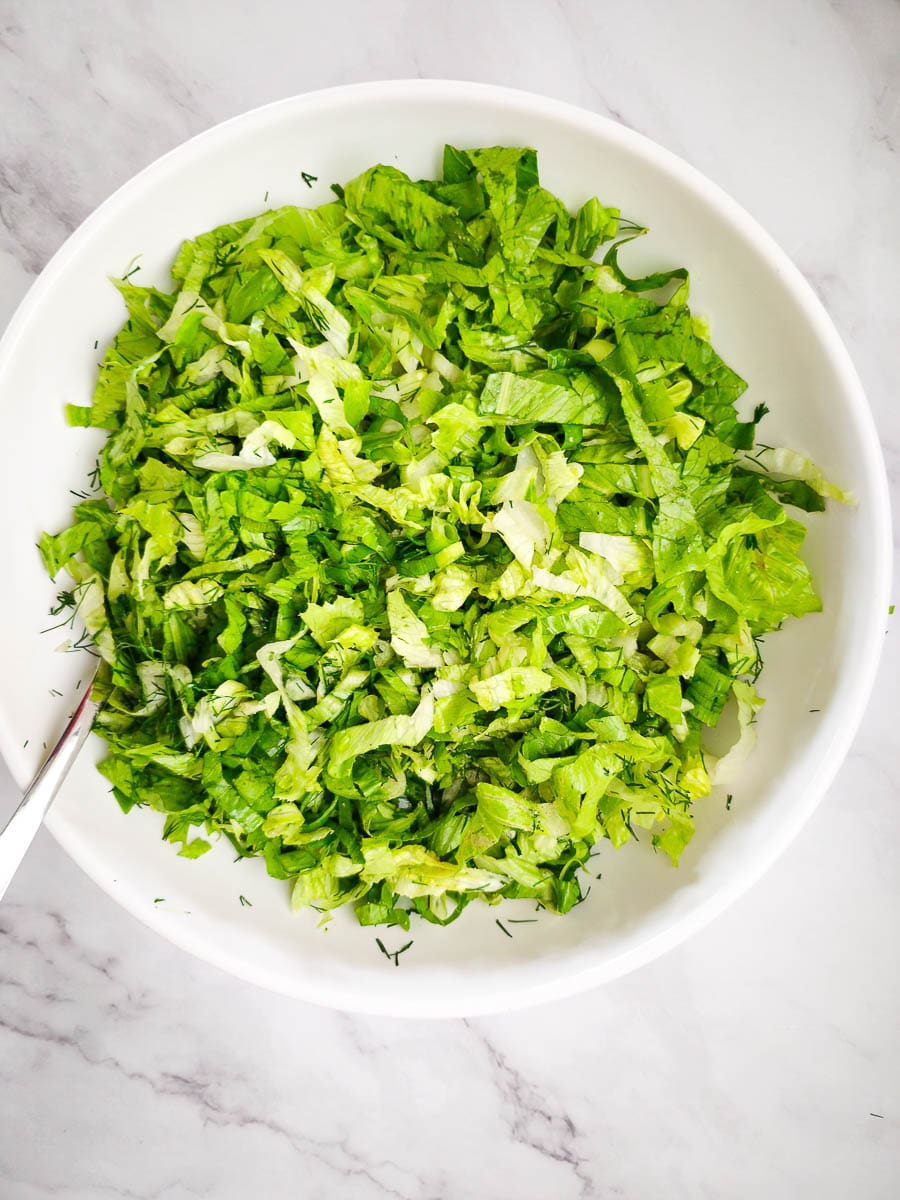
[[26, 820]]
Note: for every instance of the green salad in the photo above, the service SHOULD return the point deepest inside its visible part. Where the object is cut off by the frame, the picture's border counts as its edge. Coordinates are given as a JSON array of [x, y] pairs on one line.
[[429, 545]]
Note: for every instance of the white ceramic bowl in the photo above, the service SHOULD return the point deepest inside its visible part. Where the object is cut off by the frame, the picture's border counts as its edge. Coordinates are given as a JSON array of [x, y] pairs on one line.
[[766, 322]]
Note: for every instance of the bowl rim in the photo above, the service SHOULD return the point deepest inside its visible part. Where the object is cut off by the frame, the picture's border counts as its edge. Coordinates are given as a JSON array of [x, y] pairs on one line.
[[857, 686]]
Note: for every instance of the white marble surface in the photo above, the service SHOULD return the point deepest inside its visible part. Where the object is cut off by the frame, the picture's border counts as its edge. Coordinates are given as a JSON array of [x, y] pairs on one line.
[[762, 1059]]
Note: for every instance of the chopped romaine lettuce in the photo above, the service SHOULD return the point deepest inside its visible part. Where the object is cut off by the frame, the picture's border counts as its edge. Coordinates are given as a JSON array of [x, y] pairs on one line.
[[432, 546]]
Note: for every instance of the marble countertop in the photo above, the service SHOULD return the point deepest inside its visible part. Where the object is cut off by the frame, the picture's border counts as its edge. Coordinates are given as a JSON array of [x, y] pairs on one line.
[[762, 1058]]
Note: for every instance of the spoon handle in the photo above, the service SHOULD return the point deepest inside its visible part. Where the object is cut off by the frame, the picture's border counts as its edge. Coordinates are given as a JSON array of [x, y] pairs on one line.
[[26, 820]]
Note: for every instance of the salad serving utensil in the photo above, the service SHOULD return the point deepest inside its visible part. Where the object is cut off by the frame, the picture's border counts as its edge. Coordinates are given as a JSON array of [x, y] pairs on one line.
[[19, 832]]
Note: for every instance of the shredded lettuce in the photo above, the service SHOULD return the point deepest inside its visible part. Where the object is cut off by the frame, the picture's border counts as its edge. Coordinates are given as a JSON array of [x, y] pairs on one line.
[[431, 545]]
